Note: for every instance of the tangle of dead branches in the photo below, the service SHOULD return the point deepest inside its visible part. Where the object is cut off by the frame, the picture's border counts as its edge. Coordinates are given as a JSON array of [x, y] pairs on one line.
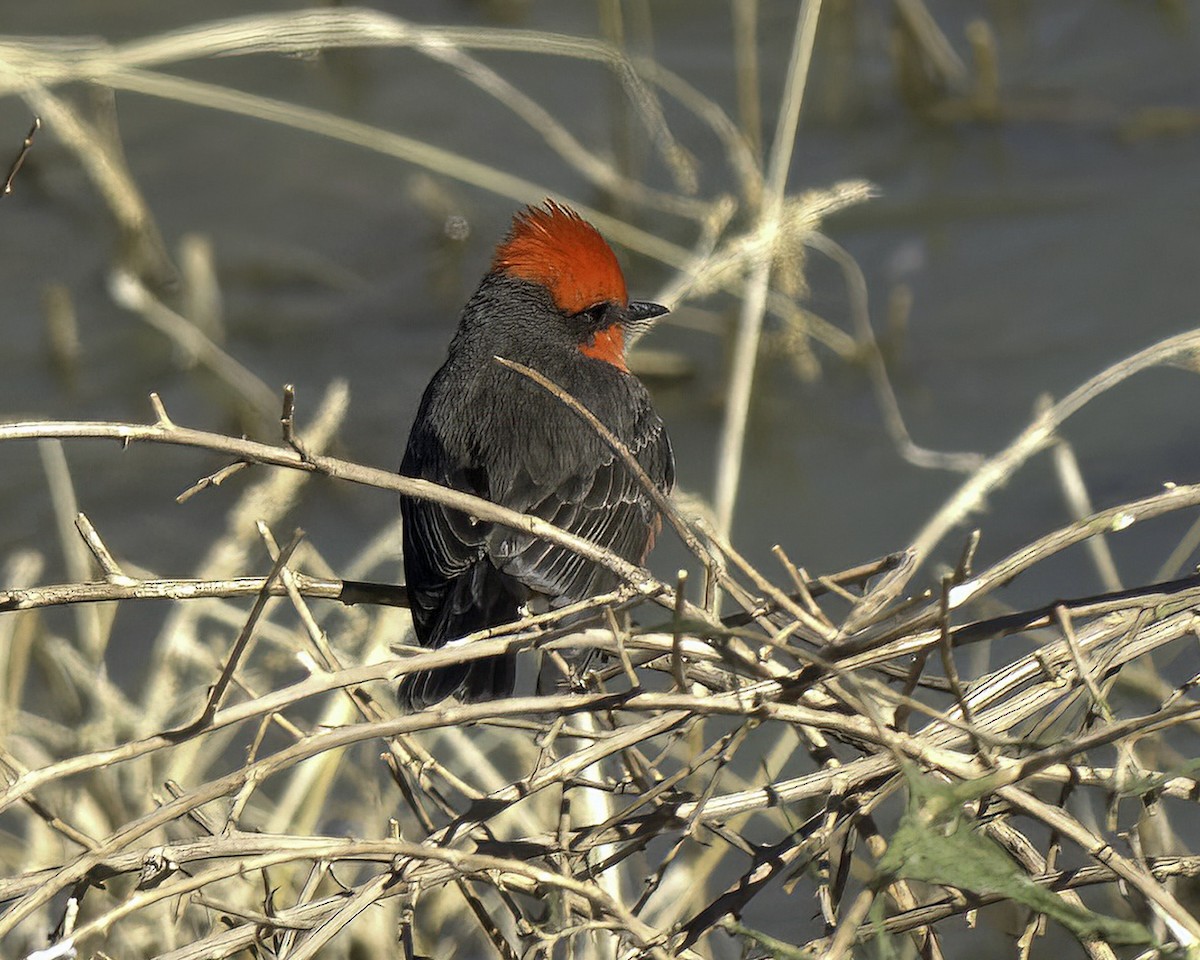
[[800, 719]]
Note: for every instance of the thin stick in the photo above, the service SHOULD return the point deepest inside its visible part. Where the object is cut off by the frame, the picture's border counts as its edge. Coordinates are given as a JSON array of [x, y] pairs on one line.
[[622, 654], [677, 673], [214, 479], [946, 647], [1070, 478], [17, 163], [287, 421], [1099, 701], [800, 582], [754, 302], [349, 592], [885, 394]]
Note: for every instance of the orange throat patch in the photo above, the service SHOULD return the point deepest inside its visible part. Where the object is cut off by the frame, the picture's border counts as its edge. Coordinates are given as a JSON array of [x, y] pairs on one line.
[[607, 345]]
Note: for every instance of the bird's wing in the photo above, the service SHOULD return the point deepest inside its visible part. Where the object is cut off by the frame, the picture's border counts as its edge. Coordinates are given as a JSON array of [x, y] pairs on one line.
[[543, 461], [603, 502], [453, 589], [441, 545]]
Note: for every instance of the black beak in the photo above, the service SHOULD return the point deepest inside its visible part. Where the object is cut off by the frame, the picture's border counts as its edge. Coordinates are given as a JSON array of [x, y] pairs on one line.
[[643, 311]]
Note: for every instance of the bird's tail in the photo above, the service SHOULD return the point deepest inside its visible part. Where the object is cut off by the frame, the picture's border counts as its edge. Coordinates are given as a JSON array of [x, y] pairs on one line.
[[480, 598], [486, 679]]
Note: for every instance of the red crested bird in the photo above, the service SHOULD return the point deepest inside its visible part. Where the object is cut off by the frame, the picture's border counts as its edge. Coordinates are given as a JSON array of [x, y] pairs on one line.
[[555, 301]]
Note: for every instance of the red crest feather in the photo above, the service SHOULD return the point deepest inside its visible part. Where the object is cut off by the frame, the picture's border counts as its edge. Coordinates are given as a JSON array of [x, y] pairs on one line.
[[554, 246]]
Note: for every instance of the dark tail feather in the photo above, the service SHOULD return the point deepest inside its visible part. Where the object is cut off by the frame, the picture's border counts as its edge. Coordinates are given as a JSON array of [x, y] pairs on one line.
[[488, 679], [480, 598]]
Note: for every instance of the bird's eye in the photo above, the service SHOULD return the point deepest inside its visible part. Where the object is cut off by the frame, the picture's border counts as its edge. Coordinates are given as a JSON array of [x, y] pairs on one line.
[[594, 317]]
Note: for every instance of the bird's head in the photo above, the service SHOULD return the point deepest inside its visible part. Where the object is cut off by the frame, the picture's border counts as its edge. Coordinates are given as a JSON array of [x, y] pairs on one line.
[[553, 246]]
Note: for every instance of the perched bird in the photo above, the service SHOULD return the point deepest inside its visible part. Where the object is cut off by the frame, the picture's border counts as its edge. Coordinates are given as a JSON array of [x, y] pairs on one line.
[[555, 301]]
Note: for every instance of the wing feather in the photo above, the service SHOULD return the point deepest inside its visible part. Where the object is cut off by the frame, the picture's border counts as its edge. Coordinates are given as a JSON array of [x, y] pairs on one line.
[[608, 506]]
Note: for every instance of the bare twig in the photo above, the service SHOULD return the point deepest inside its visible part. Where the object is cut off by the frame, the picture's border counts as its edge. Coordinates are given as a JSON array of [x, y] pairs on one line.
[[754, 304], [20, 158]]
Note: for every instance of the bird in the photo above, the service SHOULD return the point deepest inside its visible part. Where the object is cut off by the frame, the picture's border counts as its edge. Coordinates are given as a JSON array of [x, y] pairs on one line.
[[555, 301]]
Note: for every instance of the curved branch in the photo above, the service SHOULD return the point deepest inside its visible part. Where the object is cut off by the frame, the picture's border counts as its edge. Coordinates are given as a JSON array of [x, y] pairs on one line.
[[280, 456], [348, 592]]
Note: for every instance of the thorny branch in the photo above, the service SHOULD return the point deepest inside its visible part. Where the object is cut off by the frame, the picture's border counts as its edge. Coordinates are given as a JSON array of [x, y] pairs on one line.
[[642, 743]]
